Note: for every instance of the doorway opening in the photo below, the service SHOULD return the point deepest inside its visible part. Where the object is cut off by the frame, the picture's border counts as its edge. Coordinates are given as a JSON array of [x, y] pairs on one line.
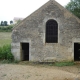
[[76, 51], [25, 51]]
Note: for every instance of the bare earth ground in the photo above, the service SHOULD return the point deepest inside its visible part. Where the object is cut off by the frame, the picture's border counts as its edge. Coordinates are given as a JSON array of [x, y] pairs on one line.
[[37, 72]]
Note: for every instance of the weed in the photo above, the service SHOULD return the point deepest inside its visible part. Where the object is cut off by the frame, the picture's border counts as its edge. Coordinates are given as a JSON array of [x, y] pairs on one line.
[[50, 64], [60, 64], [6, 61], [15, 61], [28, 76], [5, 53], [38, 75], [9, 62], [4, 75]]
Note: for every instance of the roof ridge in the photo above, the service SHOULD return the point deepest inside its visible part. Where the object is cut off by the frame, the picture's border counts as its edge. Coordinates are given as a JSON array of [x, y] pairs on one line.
[[51, 0]]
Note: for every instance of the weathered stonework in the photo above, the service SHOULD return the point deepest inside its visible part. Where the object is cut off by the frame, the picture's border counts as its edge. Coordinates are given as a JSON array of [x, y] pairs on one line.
[[32, 30]]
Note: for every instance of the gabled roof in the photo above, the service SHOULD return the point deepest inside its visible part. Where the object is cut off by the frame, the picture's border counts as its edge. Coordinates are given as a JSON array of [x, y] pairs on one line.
[[42, 8]]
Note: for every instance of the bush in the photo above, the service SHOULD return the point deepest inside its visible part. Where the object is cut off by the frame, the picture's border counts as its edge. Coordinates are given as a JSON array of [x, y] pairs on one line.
[[5, 53], [6, 28]]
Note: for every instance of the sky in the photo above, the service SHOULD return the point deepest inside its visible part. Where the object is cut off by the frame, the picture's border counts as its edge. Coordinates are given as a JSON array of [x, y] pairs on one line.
[[22, 8]]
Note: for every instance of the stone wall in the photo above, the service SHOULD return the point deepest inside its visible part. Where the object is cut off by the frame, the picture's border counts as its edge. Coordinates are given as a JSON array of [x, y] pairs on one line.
[[32, 30]]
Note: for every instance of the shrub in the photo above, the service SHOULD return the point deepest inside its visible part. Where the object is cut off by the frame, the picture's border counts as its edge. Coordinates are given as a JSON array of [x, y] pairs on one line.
[[6, 28], [5, 53]]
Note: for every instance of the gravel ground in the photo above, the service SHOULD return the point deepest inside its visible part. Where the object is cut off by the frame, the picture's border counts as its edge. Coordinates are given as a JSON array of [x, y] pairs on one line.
[[31, 72]]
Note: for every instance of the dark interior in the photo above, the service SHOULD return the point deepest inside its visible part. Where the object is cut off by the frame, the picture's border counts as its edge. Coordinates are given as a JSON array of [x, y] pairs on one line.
[[25, 51], [76, 51], [51, 31]]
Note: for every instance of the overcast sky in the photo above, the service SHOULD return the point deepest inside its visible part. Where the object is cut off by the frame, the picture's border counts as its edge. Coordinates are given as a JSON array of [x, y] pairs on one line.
[[21, 8]]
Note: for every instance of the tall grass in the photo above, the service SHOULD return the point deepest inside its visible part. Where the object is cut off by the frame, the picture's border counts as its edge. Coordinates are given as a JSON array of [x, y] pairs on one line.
[[5, 38], [5, 53], [5, 49]]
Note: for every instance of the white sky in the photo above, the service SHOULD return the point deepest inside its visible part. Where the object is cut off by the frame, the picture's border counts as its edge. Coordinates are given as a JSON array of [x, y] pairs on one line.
[[21, 8]]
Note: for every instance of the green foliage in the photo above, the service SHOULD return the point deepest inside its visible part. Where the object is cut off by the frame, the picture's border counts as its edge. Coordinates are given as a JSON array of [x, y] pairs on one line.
[[5, 23], [6, 61], [5, 38], [11, 22], [19, 21], [16, 61], [2, 23], [5, 53], [74, 7], [9, 61], [60, 64], [6, 28]]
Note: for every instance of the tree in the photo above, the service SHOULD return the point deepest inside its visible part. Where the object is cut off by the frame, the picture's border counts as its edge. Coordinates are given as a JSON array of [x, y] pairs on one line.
[[5, 23], [2, 23], [11, 22], [18, 21], [74, 7]]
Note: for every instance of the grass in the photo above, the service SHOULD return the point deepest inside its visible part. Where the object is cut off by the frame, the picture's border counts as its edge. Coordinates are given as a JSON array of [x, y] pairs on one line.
[[60, 64], [5, 38], [9, 62]]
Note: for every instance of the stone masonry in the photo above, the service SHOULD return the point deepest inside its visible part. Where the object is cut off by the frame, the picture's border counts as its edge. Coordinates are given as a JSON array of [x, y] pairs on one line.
[[32, 30]]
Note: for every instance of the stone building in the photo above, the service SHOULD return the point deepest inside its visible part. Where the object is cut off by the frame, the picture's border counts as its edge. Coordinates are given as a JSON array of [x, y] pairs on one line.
[[49, 34]]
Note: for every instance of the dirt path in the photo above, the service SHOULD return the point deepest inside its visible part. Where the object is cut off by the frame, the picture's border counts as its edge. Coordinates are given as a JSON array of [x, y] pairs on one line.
[[27, 72]]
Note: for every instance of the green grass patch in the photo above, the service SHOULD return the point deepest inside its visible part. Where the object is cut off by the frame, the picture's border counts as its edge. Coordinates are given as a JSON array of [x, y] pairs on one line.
[[60, 64], [6, 61], [5, 48], [5, 38], [4, 42], [9, 61], [5, 53]]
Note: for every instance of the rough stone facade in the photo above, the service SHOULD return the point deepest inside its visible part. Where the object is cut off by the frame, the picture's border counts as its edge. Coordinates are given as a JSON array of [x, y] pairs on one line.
[[32, 30]]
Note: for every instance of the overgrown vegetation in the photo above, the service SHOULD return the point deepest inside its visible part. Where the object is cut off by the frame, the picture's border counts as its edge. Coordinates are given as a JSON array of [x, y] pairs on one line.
[[60, 64], [9, 61], [5, 53], [6, 28], [5, 38], [45, 64]]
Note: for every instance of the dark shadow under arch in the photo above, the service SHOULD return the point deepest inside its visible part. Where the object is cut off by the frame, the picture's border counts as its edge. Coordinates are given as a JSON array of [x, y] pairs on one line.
[[51, 31]]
